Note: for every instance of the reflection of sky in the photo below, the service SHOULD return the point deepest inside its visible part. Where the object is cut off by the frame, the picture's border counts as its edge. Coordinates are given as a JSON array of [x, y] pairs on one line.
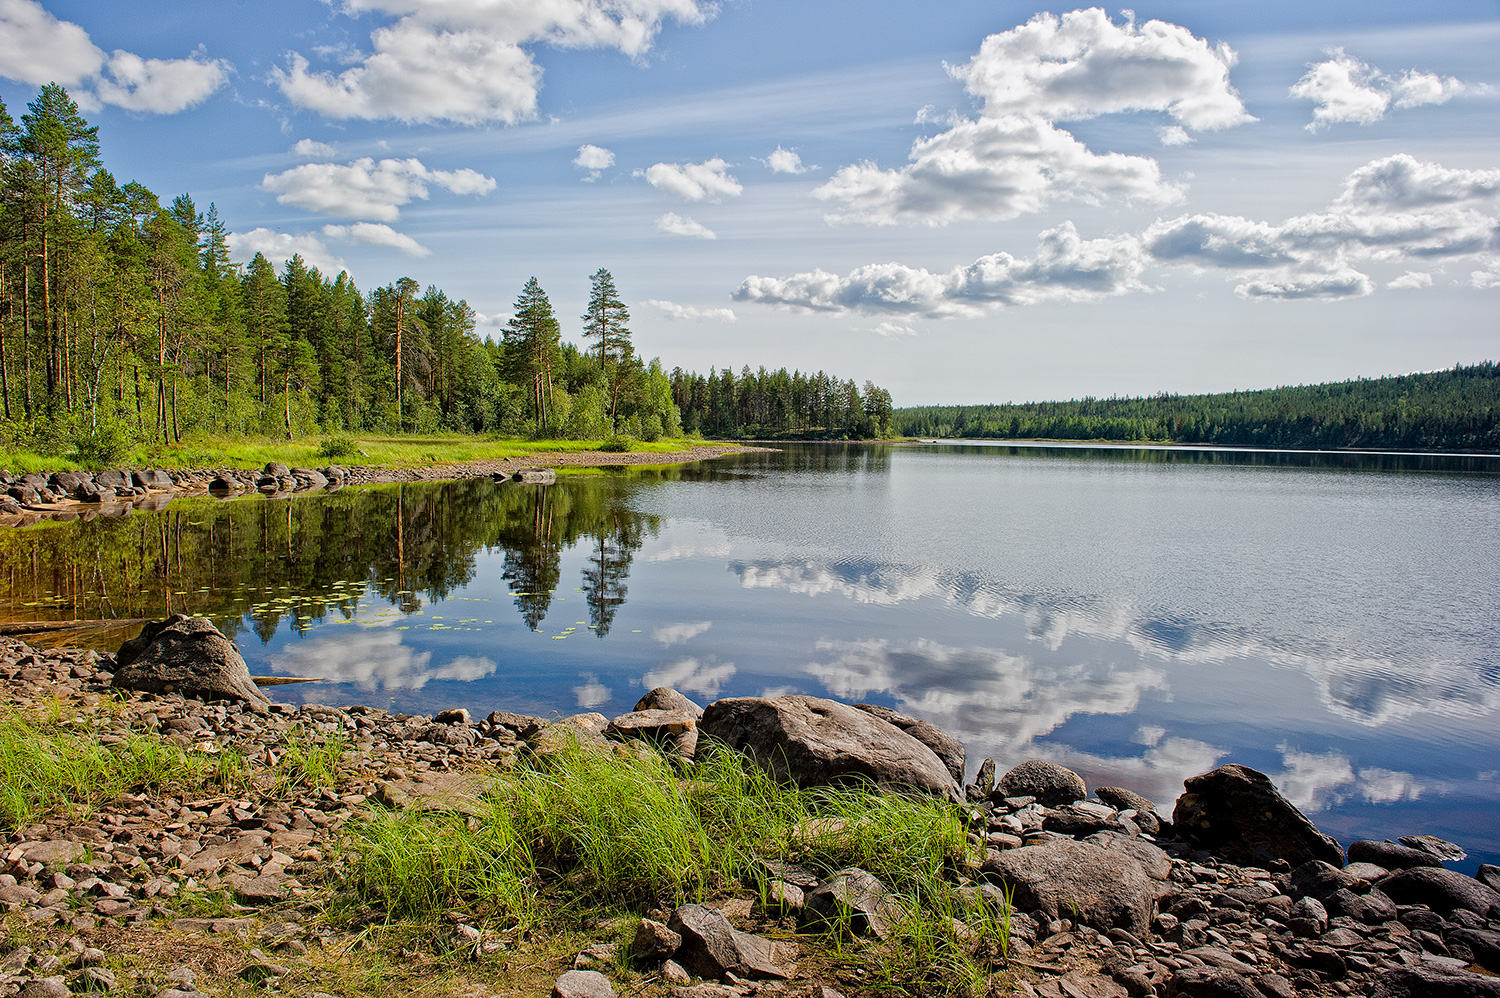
[[1139, 625]]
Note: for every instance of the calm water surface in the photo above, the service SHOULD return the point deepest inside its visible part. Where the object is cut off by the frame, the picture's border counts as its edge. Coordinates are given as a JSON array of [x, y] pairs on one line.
[[1137, 615]]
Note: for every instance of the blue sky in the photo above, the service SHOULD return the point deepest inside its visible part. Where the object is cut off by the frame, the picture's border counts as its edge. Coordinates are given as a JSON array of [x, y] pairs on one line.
[[961, 201]]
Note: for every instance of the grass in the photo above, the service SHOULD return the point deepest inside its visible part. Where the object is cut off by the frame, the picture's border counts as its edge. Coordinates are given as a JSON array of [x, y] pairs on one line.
[[589, 836], [395, 450], [47, 768]]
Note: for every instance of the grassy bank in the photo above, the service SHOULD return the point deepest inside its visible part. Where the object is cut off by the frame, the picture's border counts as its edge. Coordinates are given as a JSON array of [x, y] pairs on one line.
[[393, 450], [544, 857]]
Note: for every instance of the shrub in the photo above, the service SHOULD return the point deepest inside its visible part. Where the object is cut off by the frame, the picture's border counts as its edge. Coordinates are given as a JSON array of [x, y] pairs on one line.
[[617, 444], [338, 446], [101, 446]]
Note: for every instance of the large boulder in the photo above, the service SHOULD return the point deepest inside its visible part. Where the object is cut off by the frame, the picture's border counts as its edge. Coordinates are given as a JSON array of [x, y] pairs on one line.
[[188, 656], [1238, 814], [1102, 887], [815, 742], [1439, 889], [943, 745], [1049, 783]]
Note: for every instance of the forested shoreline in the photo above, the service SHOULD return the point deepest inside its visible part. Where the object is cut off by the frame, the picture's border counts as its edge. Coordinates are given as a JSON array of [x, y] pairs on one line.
[[1452, 410], [123, 321]]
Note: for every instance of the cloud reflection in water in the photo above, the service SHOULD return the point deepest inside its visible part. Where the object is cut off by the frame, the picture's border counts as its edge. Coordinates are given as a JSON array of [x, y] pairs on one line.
[[374, 658]]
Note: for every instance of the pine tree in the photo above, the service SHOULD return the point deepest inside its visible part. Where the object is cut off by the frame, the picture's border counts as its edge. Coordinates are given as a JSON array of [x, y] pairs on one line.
[[606, 321], [531, 345]]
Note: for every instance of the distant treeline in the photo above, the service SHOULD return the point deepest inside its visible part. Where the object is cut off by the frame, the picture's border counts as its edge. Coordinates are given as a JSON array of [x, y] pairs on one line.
[[765, 404], [1455, 410]]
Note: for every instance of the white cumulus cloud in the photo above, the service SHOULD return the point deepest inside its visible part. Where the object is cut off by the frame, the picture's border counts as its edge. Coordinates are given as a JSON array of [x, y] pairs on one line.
[[1013, 159], [281, 246], [312, 149], [691, 676], [1410, 280], [37, 48], [680, 225], [706, 181], [1346, 89], [469, 63], [376, 234], [673, 310], [159, 86], [785, 161], [1082, 65], [367, 189], [1065, 267], [594, 159]]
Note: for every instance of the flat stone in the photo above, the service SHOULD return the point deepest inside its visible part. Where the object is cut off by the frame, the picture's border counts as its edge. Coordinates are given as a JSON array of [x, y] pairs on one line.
[[857, 895], [52, 852], [1426, 982], [711, 947], [1391, 855]]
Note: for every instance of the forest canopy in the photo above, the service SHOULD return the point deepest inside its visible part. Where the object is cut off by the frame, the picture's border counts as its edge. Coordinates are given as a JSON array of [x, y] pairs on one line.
[[1453, 410], [123, 319]]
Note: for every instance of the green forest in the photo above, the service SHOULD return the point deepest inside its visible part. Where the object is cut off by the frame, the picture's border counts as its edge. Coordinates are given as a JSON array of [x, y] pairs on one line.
[[123, 320], [1453, 410]]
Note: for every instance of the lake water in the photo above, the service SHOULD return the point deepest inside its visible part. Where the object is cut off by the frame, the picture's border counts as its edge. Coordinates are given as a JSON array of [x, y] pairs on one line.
[[1139, 615]]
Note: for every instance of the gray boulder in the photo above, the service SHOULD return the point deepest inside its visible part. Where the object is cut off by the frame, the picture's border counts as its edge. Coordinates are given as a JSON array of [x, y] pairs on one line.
[[1154, 862], [1048, 782], [309, 478], [857, 895], [113, 479], [666, 698], [675, 730], [1124, 800], [815, 742], [1425, 982], [583, 984], [1102, 887], [1439, 889], [1489, 875], [188, 656], [152, 478], [1441, 848], [1320, 880], [711, 947], [943, 745], [1238, 814]]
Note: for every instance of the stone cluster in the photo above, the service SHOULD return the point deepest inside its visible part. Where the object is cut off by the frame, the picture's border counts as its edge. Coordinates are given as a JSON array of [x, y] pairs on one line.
[[1109, 898]]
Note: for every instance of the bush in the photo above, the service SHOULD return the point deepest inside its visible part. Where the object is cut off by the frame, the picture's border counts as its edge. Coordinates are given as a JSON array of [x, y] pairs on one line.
[[101, 446], [338, 446], [617, 444]]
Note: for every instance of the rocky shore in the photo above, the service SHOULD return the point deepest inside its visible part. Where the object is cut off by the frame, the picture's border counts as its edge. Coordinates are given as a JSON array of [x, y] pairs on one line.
[[68, 495], [1237, 894]]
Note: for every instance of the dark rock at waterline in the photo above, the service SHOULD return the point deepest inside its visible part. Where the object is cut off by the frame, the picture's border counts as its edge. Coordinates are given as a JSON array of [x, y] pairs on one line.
[[815, 742], [1426, 982], [1441, 848], [152, 478], [1125, 800], [1391, 855], [1238, 814], [1048, 782], [188, 656], [711, 947], [112, 479], [1489, 876], [666, 698], [943, 745], [1102, 887], [1439, 889]]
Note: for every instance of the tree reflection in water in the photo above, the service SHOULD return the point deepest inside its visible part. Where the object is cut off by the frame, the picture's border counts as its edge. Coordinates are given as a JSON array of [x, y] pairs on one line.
[[255, 564]]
